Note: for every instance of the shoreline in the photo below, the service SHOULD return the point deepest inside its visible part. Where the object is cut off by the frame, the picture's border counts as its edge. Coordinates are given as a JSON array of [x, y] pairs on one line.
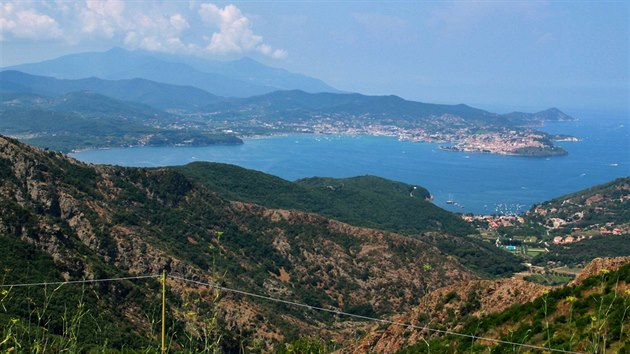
[[502, 153], [399, 137]]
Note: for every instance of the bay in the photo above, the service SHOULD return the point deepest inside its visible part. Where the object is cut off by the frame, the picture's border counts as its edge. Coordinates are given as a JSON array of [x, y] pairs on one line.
[[478, 183]]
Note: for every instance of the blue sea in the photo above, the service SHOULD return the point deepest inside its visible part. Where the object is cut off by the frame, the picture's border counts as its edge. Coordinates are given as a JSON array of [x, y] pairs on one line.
[[477, 183]]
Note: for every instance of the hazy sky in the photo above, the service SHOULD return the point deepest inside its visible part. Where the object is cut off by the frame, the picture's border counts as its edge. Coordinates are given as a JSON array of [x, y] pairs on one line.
[[499, 55]]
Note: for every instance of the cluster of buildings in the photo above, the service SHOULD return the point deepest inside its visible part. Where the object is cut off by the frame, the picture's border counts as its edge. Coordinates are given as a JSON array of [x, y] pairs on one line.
[[604, 231], [495, 221], [559, 240], [504, 143], [607, 231]]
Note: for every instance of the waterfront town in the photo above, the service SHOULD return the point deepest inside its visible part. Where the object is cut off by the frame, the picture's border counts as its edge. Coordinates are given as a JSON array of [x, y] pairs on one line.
[[553, 229], [452, 133]]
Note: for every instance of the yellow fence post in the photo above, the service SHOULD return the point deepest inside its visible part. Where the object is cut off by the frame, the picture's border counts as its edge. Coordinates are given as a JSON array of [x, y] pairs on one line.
[[164, 311]]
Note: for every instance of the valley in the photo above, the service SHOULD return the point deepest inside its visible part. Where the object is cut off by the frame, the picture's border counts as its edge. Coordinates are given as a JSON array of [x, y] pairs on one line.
[[94, 222], [314, 177], [244, 230]]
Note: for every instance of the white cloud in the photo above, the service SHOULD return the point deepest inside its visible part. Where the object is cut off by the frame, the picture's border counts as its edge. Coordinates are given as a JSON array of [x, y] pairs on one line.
[[280, 54], [192, 28], [145, 27], [235, 33], [26, 23], [179, 23], [101, 17]]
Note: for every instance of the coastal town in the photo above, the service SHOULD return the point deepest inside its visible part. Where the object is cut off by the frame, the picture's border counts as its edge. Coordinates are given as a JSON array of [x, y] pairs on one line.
[[455, 136], [450, 132], [556, 232], [553, 231]]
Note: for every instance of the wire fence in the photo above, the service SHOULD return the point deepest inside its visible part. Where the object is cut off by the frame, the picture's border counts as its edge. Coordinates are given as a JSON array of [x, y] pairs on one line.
[[291, 303], [104, 280]]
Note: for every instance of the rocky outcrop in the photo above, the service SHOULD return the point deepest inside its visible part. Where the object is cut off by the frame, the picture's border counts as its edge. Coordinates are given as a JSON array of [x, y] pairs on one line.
[[597, 266], [444, 309]]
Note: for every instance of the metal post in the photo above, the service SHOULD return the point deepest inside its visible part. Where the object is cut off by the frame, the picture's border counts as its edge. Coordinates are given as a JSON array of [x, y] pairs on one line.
[[164, 311]]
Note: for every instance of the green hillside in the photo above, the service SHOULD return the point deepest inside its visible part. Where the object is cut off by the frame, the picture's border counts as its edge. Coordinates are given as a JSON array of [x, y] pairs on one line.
[[366, 201], [82, 120], [91, 311], [589, 208], [155, 94], [593, 317], [296, 105], [596, 220], [64, 220]]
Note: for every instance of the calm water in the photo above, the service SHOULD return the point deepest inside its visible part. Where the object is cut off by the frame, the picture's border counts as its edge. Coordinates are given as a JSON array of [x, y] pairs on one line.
[[480, 183]]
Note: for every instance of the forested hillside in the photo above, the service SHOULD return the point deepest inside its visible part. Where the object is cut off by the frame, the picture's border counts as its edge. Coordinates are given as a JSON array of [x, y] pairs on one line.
[[74, 221], [366, 201]]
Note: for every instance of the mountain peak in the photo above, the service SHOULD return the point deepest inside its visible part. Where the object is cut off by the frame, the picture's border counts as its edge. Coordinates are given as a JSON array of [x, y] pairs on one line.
[[119, 52], [553, 114], [548, 115], [116, 50], [241, 78], [248, 60]]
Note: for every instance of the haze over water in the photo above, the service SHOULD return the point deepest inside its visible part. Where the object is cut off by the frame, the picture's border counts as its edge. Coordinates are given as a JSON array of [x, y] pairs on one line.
[[478, 183]]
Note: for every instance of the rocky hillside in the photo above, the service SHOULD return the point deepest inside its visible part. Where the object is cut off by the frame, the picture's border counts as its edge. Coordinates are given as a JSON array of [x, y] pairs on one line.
[[597, 266], [367, 201], [603, 208], [589, 315], [82, 221], [446, 309]]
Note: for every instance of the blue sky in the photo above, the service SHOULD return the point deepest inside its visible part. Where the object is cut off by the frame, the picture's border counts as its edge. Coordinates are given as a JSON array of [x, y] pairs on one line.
[[500, 55]]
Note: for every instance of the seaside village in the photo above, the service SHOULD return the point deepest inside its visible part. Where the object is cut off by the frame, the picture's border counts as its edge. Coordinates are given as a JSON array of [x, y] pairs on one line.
[[554, 226]]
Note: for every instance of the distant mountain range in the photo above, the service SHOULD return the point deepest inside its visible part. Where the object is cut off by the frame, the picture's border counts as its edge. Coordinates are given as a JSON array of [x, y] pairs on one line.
[[86, 103], [249, 70], [249, 98], [292, 105], [287, 105], [242, 78], [85, 119], [178, 82], [548, 115], [155, 94], [298, 105]]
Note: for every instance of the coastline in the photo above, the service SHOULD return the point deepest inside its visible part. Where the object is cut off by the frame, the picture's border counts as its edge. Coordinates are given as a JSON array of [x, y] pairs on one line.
[[401, 137], [543, 153], [479, 181]]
